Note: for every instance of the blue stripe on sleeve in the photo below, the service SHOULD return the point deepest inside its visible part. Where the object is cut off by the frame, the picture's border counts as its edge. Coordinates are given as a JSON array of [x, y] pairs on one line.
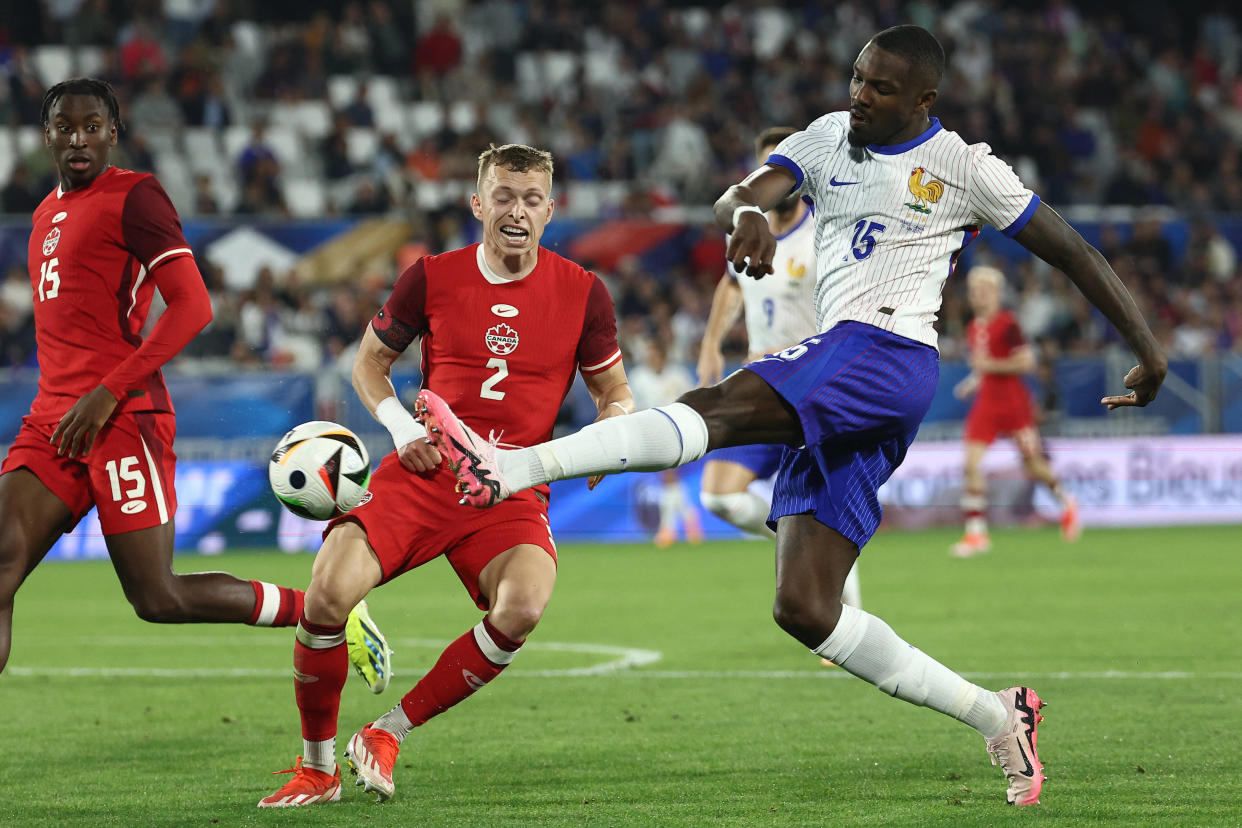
[[1021, 221], [791, 165]]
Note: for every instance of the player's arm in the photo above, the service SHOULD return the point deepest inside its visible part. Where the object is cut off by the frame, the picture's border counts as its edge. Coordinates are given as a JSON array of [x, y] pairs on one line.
[[372, 379], [740, 212], [1020, 361], [402, 320], [726, 307], [1049, 237]]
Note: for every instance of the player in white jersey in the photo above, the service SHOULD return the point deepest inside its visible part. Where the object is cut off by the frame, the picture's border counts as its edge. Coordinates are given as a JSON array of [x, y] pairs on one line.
[[896, 196], [780, 313]]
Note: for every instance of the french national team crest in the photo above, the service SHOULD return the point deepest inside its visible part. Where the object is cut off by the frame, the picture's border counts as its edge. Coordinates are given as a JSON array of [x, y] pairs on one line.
[[924, 194], [501, 339], [50, 241]]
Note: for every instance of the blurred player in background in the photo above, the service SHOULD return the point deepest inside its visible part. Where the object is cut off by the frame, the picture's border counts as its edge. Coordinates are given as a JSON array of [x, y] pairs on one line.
[[896, 199], [780, 313], [999, 357], [659, 381], [503, 326], [100, 430]]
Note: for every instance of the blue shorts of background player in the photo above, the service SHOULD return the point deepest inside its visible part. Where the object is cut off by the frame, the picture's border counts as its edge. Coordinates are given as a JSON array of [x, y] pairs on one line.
[[860, 394]]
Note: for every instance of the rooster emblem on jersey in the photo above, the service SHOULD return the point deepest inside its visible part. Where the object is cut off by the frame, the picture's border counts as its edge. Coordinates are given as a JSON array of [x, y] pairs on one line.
[[796, 270], [501, 339], [923, 193]]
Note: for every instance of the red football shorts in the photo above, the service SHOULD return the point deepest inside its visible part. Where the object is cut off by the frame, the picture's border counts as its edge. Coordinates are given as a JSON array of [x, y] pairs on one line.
[[128, 474], [411, 519], [984, 423]]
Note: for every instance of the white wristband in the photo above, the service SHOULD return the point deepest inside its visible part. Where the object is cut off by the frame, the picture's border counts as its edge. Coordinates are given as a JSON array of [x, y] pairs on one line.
[[745, 208], [399, 422]]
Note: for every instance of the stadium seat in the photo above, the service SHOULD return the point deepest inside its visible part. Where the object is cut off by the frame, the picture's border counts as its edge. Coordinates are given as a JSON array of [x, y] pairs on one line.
[[28, 139], [176, 180], [463, 116], [360, 145], [53, 63], [287, 145], [90, 60], [383, 91], [342, 89], [425, 117], [305, 196], [313, 119], [8, 154], [202, 149]]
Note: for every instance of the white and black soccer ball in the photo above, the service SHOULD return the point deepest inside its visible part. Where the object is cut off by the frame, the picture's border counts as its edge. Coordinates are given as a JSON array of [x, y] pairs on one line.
[[319, 470]]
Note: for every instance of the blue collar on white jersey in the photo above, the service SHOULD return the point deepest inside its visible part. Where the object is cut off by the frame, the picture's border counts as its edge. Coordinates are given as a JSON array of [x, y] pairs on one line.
[[898, 149]]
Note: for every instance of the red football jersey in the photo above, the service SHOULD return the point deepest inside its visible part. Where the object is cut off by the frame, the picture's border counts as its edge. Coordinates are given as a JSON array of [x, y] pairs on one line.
[[90, 252], [998, 337], [502, 353]]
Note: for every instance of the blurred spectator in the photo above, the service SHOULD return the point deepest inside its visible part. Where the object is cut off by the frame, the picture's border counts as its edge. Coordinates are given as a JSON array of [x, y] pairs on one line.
[[154, 108], [437, 53], [17, 197], [259, 170], [141, 54], [205, 203]]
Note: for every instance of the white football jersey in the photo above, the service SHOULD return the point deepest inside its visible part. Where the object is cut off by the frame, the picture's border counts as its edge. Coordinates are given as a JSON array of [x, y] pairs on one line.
[[651, 389], [891, 221], [780, 307]]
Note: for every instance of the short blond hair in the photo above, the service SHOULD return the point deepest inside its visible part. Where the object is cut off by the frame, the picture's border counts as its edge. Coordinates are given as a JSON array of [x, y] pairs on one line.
[[516, 157], [991, 275]]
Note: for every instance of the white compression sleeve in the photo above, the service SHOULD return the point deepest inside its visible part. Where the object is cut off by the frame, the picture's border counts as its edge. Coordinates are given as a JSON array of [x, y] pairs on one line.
[[658, 438], [864, 646], [399, 422]]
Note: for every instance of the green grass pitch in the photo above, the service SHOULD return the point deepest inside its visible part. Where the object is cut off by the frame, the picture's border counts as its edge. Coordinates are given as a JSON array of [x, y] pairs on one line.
[[658, 691]]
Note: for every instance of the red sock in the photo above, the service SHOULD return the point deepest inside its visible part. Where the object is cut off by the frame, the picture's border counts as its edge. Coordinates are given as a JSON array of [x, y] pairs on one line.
[[276, 606], [466, 665], [320, 666]]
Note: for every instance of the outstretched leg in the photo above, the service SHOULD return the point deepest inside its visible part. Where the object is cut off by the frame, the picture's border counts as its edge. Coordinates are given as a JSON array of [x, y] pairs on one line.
[[975, 540], [739, 411], [31, 519]]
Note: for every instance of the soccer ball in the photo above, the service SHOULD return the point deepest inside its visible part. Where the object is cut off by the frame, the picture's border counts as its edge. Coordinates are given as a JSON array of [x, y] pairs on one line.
[[319, 470]]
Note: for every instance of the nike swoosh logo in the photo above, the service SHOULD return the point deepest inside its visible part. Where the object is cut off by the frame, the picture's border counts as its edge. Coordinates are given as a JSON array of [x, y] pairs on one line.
[[1029, 772], [833, 181]]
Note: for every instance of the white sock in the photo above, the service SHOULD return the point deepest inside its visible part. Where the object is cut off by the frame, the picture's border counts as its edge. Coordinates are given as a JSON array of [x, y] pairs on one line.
[[395, 722], [745, 510], [320, 755], [672, 503], [658, 438], [864, 646], [851, 592]]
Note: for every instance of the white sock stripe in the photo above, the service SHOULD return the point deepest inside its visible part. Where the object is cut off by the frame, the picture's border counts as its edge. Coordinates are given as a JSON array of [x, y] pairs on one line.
[[491, 652], [319, 642], [269, 604], [974, 502], [691, 430]]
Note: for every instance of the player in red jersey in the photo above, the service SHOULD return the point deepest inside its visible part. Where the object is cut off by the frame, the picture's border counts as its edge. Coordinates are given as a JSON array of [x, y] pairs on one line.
[[100, 431], [999, 356], [503, 326]]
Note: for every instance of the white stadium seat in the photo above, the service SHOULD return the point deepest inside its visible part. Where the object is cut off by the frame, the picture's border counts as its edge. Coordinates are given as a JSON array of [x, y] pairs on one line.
[[360, 145], [53, 63], [313, 119], [342, 89], [287, 145], [202, 149], [425, 117], [463, 116], [28, 139], [8, 154], [305, 196]]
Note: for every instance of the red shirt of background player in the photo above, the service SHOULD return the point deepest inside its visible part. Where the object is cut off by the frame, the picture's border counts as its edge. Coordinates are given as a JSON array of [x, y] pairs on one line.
[[998, 338]]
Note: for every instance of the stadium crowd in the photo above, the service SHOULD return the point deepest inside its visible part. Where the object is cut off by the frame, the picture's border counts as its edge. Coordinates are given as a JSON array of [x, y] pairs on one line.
[[374, 101]]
